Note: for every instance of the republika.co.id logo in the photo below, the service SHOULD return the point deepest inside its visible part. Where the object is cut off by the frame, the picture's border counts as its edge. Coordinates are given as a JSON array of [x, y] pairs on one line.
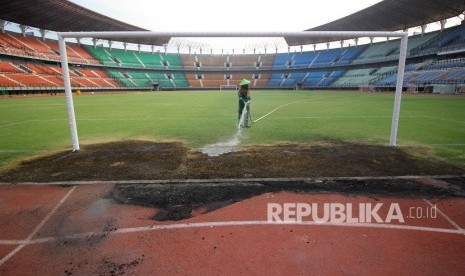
[[346, 212]]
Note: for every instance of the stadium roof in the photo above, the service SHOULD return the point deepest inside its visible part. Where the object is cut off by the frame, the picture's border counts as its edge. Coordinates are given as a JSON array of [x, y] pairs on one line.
[[65, 16], [388, 15]]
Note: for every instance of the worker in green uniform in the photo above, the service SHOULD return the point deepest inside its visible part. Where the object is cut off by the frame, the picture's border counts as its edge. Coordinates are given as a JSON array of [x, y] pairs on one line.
[[244, 102]]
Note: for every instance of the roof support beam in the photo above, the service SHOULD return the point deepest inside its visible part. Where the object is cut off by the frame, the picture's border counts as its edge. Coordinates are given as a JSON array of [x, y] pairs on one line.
[[42, 33], [443, 24], [423, 29], [23, 29]]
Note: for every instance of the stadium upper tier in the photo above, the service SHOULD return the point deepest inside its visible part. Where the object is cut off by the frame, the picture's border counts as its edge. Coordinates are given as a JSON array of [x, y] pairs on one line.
[[29, 63]]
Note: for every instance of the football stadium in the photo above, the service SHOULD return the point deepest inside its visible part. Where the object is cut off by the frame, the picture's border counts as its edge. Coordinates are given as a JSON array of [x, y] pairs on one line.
[[332, 147]]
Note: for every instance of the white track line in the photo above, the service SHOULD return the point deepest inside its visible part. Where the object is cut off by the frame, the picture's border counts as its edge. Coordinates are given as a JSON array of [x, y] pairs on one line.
[[16, 123], [14, 150], [112, 120], [330, 117], [284, 105], [41, 224], [34, 121], [446, 144], [445, 120], [342, 117], [444, 215], [231, 224]]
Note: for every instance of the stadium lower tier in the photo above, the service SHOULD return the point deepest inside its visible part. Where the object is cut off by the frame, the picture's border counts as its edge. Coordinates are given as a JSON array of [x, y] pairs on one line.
[[14, 76], [36, 76]]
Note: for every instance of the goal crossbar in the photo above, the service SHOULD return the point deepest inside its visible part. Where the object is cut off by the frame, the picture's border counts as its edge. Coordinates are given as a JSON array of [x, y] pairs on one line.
[[304, 34]]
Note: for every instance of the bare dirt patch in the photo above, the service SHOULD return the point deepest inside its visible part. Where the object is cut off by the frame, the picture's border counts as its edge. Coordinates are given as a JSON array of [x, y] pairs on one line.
[[177, 201], [144, 160]]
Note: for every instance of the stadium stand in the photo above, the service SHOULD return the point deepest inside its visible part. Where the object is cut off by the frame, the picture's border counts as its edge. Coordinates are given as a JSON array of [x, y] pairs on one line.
[[188, 61], [193, 80], [282, 61], [275, 80], [356, 78], [150, 60], [266, 61], [80, 53], [450, 37], [29, 63], [418, 41], [212, 61], [244, 61], [101, 55], [327, 57], [214, 80], [180, 80], [445, 64], [9, 45], [162, 80], [171, 61], [315, 79], [37, 75], [378, 51], [15, 44], [304, 60], [9, 68], [426, 72], [124, 58], [150, 79], [262, 80]]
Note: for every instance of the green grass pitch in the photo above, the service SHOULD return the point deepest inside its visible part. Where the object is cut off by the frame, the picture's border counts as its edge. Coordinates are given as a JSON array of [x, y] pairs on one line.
[[429, 124]]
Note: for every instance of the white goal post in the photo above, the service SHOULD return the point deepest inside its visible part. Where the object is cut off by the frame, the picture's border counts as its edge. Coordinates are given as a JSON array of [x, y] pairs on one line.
[[228, 87], [304, 34]]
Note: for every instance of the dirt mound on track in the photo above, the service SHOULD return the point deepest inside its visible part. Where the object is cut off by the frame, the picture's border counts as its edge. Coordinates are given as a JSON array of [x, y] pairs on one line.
[[144, 160]]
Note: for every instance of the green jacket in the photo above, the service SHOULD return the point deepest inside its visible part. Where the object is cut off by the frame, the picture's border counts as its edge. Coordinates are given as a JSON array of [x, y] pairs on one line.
[[243, 98]]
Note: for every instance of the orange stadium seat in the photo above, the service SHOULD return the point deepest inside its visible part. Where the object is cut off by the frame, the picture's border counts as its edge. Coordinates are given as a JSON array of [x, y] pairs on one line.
[[9, 68], [8, 82], [32, 80]]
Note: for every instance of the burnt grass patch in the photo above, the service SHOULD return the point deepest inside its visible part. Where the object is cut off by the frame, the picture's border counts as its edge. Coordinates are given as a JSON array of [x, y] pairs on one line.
[[182, 201], [145, 160]]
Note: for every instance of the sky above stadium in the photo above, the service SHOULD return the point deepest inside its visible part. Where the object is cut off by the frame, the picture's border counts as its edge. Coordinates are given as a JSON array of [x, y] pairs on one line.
[[227, 16], [217, 15]]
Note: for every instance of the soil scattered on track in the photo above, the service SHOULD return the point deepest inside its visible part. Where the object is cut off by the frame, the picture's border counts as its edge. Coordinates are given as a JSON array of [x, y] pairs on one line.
[[184, 200], [176, 200], [144, 160]]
